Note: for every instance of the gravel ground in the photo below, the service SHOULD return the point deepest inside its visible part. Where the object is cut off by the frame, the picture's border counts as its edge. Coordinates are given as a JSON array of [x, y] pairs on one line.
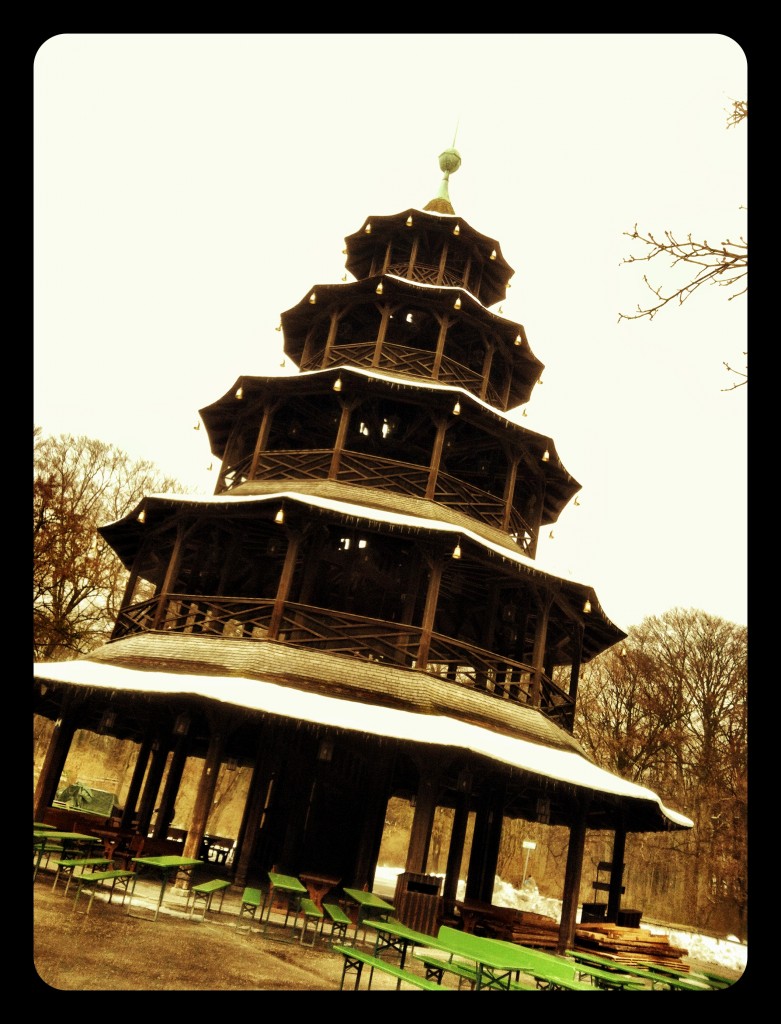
[[110, 950]]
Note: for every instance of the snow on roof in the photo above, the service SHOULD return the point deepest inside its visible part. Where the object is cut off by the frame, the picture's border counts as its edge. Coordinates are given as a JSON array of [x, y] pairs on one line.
[[443, 730]]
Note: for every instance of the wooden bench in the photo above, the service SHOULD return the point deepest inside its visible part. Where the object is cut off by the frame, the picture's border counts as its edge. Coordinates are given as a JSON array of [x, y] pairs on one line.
[[252, 901], [204, 893], [95, 881], [311, 913], [339, 922], [354, 960]]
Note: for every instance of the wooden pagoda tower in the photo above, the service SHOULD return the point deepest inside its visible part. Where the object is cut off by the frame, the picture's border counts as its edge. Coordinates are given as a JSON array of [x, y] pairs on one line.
[[357, 612]]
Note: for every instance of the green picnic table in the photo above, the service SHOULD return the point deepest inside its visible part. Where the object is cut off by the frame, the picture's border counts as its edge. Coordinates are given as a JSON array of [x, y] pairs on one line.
[[368, 903], [165, 866], [291, 889]]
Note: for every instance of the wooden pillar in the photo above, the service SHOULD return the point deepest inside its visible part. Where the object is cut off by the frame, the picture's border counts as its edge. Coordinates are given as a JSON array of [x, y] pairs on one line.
[[205, 794], [285, 581], [54, 762], [341, 437], [616, 876], [486, 371], [422, 823], [385, 311], [572, 873], [154, 777], [173, 780], [329, 341], [509, 492], [170, 574], [455, 851], [129, 811], [444, 323], [538, 657], [429, 612], [262, 439], [254, 808], [375, 805], [436, 458]]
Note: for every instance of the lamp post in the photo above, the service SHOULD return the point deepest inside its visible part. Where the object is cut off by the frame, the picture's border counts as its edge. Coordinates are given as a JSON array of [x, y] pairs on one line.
[[528, 845]]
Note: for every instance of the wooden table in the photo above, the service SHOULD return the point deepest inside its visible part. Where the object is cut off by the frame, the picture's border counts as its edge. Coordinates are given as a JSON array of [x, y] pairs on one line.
[[318, 886], [166, 866]]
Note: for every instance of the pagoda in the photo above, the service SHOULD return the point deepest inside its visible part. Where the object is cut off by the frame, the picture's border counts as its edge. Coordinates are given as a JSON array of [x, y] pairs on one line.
[[357, 612]]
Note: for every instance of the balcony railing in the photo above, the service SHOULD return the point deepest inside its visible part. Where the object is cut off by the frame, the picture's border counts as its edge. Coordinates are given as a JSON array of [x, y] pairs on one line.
[[384, 474], [307, 627]]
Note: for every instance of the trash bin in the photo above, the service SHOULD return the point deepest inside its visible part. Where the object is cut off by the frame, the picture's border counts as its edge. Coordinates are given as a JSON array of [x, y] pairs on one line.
[[417, 902], [629, 918], [593, 912]]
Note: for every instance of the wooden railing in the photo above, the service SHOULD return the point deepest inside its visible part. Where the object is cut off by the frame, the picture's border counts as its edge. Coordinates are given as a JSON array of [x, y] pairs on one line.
[[413, 362], [384, 474], [309, 627]]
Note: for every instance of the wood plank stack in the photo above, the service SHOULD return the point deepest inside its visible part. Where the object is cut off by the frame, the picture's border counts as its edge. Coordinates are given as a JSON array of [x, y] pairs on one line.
[[630, 946]]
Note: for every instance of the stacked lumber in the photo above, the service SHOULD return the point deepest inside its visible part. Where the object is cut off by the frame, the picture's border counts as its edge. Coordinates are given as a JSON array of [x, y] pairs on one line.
[[522, 926], [629, 946]]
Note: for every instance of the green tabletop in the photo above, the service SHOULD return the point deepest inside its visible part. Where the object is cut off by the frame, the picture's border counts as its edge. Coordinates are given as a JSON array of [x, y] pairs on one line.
[[368, 899], [166, 865], [288, 883], [393, 934]]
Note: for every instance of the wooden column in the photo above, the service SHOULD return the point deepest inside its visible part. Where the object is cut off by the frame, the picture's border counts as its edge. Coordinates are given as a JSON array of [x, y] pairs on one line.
[[509, 491], [262, 439], [254, 807], [205, 794], [170, 574], [455, 852], [616, 876], [429, 612], [341, 437], [486, 371], [422, 823], [154, 777], [436, 458], [329, 341], [538, 657], [385, 312], [173, 780], [285, 581], [444, 323], [375, 804], [139, 771], [54, 762], [569, 905]]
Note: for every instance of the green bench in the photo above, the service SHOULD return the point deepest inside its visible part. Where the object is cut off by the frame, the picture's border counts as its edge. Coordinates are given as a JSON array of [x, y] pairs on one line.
[[311, 913], [204, 893], [354, 960], [339, 922], [437, 967], [96, 881], [252, 901], [66, 868]]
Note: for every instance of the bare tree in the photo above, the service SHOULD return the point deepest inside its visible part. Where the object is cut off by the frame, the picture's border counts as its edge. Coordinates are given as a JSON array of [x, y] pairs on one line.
[[668, 709], [80, 484], [724, 264]]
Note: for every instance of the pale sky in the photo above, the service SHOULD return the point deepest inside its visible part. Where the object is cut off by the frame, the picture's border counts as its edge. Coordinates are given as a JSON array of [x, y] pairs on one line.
[[190, 188]]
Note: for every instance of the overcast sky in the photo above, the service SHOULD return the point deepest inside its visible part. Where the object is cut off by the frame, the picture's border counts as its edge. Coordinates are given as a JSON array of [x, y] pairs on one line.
[[190, 188]]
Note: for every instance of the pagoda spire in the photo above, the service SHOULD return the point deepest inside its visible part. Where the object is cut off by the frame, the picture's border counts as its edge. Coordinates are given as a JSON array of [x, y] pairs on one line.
[[449, 162]]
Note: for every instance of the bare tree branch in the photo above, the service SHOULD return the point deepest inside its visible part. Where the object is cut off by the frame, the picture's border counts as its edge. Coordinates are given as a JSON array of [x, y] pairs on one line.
[[725, 265]]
